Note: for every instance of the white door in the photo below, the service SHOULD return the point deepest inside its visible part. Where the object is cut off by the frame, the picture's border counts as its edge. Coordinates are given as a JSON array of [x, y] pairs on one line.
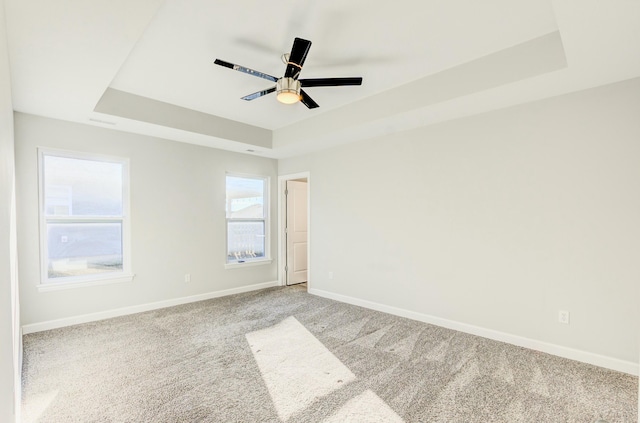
[[296, 232]]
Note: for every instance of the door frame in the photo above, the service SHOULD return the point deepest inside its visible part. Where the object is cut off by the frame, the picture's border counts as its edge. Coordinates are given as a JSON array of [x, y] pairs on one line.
[[282, 223]]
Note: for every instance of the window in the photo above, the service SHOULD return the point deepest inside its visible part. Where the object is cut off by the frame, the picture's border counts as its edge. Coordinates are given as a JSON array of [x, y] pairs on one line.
[[84, 218], [247, 225]]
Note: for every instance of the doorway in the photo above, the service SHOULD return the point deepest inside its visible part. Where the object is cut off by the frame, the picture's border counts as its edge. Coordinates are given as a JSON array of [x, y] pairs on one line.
[[294, 257]]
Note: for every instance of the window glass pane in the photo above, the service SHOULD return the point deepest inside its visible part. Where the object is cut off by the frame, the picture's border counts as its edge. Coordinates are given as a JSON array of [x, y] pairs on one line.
[[77, 187], [245, 198], [245, 241], [77, 249]]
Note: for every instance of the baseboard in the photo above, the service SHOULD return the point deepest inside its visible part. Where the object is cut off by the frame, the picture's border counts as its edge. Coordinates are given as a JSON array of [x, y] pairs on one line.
[[558, 350], [92, 317]]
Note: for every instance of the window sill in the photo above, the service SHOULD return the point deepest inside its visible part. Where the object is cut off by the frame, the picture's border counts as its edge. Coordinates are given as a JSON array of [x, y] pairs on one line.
[[80, 283], [248, 264]]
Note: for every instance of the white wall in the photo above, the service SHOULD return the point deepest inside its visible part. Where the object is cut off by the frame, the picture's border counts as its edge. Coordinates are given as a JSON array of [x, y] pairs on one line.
[[498, 220], [177, 226], [9, 319]]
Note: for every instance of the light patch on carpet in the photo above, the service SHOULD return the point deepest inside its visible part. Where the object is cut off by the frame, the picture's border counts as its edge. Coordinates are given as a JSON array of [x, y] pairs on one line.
[[406, 396], [439, 353], [459, 383], [370, 341], [405, 346], [538, 384], [295, 366], [38, 404], [366, 407], [503, 370], [350, 331], [516, 412]]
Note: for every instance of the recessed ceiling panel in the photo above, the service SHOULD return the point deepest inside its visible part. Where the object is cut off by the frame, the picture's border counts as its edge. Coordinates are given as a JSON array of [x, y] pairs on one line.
[[388, 44]]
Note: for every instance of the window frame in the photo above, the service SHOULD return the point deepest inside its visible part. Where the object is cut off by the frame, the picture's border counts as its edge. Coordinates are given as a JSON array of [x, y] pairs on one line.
[[65, 282], [266, 201]]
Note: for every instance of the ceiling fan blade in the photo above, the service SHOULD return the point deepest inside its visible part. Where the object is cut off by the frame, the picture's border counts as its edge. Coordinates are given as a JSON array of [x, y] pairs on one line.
[[330, 82], [307, 101], [297, 57], [258, 94], [245, 70]]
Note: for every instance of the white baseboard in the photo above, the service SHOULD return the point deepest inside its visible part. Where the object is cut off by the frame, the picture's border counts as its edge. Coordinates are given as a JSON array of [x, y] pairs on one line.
[[558, 350], [92, 317]]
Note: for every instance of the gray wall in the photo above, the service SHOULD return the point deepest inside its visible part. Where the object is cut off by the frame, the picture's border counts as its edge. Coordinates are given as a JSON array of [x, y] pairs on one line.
[[498, 220], [177, 212], [9, 319]]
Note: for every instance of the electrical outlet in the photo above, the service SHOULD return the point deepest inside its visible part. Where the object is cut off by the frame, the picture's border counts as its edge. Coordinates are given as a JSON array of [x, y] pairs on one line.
[[563, 317], [187, 277], [330, 275]]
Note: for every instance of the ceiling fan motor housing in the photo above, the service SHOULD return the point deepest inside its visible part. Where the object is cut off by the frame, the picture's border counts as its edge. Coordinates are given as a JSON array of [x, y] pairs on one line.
[[288, 90]]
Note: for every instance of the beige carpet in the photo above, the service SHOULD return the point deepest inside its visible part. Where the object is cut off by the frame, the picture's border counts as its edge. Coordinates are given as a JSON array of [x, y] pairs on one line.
[[282, 355]]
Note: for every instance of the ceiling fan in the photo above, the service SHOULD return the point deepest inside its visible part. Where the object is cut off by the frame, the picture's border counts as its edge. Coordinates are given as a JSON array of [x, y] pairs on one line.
[[289, 88]]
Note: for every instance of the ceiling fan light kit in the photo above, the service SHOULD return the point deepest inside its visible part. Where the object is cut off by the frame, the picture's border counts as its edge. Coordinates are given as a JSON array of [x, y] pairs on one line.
[[289, 88]]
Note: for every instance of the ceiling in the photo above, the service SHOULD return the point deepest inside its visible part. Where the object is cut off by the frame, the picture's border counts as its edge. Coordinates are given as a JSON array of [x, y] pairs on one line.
[[146, 66]]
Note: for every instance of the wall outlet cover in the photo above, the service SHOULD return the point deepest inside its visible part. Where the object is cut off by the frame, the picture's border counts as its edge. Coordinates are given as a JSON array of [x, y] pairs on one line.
[[563, 317]]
